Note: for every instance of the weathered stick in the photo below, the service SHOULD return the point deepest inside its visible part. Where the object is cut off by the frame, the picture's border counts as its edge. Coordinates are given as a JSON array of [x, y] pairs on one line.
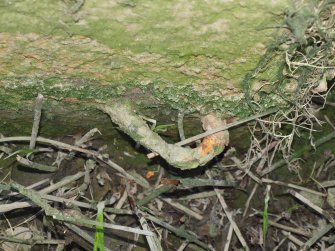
[[37, 119], [229, 216], [183, 158]]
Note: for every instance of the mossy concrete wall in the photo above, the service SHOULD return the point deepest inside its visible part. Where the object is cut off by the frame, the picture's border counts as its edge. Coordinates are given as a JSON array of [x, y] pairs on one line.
[[177, 55]]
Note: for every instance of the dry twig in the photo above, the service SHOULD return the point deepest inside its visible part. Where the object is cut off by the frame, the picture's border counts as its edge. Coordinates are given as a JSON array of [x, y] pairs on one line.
[[37, 119], [229, 216]]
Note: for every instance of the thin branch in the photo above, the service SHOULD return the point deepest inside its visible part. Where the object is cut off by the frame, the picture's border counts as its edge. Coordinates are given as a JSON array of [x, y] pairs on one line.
[[32, 241], [183, 246], [37, 166], [318, 235], [56, 214], [81, 150], [294, 230], [200, 195], [183, 208], [177, 231], [229, 237], [226, 127], [37, 119], [243, 169], [118, 205], [32, 186], [219, 129], [277, 182], [230, 216], [88, 136], [154, 194], [83, 234], [250, 198], [312, 205], [292, 238], [181, 125]]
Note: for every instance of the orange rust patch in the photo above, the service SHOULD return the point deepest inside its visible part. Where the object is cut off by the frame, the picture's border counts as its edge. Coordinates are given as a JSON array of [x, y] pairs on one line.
[[207, 145], [221, 139], [150, 174]]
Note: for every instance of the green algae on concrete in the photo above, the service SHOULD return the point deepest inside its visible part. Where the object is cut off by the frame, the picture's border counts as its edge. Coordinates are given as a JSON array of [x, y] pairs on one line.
[[187, 55]]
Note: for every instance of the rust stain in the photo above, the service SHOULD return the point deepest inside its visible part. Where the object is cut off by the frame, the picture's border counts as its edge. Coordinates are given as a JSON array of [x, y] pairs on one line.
[[150, 174], [207, 145], [220, 139]]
